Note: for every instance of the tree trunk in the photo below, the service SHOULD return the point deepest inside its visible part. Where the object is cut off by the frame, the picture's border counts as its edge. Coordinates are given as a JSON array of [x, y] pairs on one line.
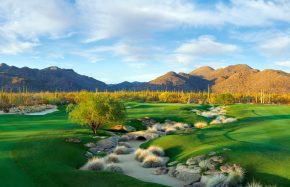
[[94, 128]]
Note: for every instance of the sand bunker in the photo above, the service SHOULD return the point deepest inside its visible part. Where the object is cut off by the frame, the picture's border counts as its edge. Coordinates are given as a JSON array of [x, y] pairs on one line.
[[134, 169]]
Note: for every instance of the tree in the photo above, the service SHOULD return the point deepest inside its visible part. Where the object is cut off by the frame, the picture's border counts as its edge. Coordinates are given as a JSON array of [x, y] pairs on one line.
[[94, 110], [225, 99]]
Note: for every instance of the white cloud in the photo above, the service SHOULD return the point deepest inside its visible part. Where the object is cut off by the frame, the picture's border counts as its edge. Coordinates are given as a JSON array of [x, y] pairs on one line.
[[133, 53], [109, 19], [275, 47], [202, 46], [285, 63], [22, 23]]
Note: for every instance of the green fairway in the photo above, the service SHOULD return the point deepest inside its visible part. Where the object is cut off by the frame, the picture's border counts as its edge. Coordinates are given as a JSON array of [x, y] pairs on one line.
[[33, 151], [260, 142]]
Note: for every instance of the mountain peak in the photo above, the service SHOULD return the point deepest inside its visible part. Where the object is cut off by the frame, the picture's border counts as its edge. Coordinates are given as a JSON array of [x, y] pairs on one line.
[[202, 70], [239, 67]]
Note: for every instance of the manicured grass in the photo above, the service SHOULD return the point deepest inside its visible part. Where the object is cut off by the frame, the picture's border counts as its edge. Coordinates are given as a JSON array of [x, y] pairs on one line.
[[260, 142], [33, 153]]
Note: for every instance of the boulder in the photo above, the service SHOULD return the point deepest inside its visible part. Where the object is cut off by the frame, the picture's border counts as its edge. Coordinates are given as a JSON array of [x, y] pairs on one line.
[[195, 160], [128, 128], [90, 145], [188, 177], [105, 145], [218, 159], [161, 171], [89, 155]]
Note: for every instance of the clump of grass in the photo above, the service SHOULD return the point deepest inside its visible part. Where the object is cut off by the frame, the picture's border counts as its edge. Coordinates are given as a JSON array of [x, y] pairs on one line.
[[113, 158], [152, 161], [95, 164], [122, 150], [115, 168], [140, 154], [217, 180], [235, 174], [180, 126], [254, 184], [169, 129], [200, 124], [158, 151]]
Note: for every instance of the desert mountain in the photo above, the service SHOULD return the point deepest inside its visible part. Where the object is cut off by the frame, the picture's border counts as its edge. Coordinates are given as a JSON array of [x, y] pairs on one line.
[[48, 79], [237, 78]]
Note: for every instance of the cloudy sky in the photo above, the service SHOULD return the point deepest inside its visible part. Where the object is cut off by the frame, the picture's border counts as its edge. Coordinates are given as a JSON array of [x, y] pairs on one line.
[[115, 40]]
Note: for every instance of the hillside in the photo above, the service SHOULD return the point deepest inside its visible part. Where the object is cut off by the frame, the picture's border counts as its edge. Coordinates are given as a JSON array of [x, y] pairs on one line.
[[237, 78], [48, 79]]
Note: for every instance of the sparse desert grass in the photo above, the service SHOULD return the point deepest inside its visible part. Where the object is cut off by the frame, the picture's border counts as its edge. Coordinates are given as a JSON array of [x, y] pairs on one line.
[[112, 158], [152, 161], [217, 180], [158, 151], [95, 164], [200, 124], [122, 150], [141, 154], [115, 168]]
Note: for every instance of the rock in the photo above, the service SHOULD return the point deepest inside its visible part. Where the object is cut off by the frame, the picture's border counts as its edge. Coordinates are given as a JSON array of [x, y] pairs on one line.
[[161, 171], [172, 172], [191, 161], [128, 128], [188, 177], [105, 145], [147, 121], [196, 159], [212, 153], [89, 155], [73, 140], [218, 159], [90, 145], [198, 184]]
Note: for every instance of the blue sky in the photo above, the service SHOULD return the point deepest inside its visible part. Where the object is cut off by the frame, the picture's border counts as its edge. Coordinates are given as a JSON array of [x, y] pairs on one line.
[[138, 40]]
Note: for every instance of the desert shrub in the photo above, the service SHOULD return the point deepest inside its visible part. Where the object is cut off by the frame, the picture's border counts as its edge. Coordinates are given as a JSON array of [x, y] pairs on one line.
[[200, 124], [180, 125], [115, 168], [113, 158], [204, 165], [152, 161], [225, 99], [254, 184], [217, 180], [235, 175], [122, 150], [141, 154], [169, 129], [95, 164], [158, 151]]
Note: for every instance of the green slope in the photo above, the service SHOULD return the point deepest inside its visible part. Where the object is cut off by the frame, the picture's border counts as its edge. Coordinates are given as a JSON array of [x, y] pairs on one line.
[[259, 141], [33, 153]]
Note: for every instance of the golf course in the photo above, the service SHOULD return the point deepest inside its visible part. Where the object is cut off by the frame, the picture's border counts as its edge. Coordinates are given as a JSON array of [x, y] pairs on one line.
[[33, 150]]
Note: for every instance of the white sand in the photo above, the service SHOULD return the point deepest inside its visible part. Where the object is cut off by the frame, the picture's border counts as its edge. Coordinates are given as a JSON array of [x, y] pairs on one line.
[[134, 169], [48, 111], [35, 113]]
